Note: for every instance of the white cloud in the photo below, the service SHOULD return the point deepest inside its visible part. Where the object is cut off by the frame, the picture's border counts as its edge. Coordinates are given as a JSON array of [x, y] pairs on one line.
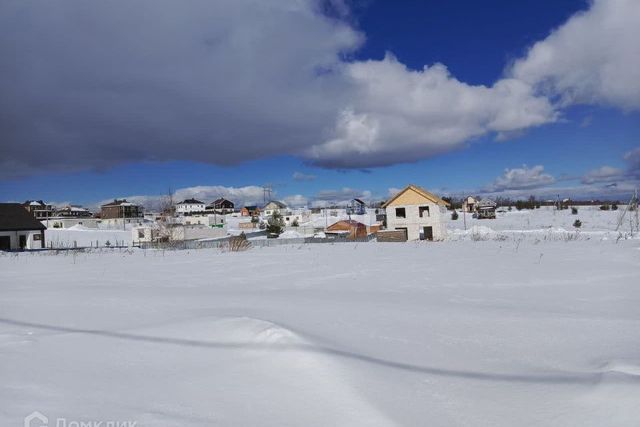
[[399, 115], [521, 179], [602, 174], [299, 176], [340, 197], [633, 162], [296, 201], [95, 84], [592, 59]]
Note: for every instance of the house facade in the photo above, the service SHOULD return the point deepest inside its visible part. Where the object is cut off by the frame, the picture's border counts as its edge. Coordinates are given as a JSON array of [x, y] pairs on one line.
[[356, 207], [121, 209], [39, 209], [417, 212], [469, 204], [19, 230], [274, 206], [486, 209], [72, 211], [221, 206], [189, 206]]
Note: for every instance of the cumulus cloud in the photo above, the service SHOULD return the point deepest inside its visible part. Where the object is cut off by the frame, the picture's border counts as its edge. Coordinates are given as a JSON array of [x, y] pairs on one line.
[[523, 178], [591, 59], [399, 115], [296, 201], [340, 197], [602, 174], [299, 176], [88, 85]]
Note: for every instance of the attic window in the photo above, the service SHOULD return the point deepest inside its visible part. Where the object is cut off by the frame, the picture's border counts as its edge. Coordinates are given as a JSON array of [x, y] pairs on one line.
[[401, 213], [422, 210]]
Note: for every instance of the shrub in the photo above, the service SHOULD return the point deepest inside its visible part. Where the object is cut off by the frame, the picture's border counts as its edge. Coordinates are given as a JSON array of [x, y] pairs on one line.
[[239, 243], [295, 223], [614, 207], [577, 223], [605, 207], [574, 211], [454, 215]]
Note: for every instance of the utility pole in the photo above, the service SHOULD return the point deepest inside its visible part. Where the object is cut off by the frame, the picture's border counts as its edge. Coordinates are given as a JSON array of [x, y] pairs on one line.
[[266, 190]]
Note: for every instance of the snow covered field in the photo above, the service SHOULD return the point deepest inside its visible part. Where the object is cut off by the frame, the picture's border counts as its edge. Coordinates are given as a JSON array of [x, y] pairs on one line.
[[466, 333]]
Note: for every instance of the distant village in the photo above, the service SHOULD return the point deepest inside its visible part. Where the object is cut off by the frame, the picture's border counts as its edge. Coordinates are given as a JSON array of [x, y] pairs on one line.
[[412, 214]]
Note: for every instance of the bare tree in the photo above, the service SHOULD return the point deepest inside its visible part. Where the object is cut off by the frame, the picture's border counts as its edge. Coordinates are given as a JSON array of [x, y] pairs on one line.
[[167, 226]]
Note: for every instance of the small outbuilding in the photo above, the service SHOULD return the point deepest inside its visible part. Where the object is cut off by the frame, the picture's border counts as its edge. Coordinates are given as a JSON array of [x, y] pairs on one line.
[[351, 229], [19, 229]]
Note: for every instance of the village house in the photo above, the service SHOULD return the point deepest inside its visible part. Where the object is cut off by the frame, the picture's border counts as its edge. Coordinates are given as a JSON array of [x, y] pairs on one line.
[[252, 211], [417, 212], [70, 216], [120, 209], [19, 229], [356, 207], [73, 211], [469, 204], [190, 206], [221, 206], [486, 209], [39, 209], [274, 206], [350, 229]]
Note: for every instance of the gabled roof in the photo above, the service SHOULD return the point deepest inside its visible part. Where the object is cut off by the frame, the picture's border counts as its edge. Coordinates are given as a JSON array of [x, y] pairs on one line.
[[359, 201], [342, 224], [118, 202], [251, 208], [421, 191], [277, 203], [34, 203], [191, 202], [220, 203], [14, 217]]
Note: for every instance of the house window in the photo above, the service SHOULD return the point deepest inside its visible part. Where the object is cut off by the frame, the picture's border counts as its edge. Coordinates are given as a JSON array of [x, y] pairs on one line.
[[401, 213], [140, 234], [424, 211]]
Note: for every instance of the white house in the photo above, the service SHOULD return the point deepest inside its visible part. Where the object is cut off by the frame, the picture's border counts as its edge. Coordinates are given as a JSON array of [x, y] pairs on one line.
[[273, 207], [418, 212], [19, 229], [469, 204], [189, 206]]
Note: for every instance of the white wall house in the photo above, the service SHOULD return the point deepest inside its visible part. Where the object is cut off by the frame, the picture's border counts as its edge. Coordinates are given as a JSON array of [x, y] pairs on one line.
[[19, 229], [273, 207], [421, 214], [189, 206]]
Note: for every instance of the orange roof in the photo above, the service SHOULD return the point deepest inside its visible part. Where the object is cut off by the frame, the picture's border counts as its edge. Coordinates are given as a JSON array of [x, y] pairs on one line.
[[426, 194]]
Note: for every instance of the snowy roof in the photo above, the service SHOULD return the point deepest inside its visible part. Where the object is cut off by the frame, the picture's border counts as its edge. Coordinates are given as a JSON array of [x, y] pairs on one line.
[[487, 203], [117, 202], [276, 203], [191, 202], [14, 217]]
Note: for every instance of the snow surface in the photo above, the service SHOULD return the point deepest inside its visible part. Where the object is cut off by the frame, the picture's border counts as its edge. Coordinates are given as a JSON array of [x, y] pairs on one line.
[[460, 333]]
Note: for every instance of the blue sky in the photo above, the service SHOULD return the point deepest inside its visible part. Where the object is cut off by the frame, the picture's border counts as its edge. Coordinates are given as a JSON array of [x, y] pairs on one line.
[[579, 141]]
